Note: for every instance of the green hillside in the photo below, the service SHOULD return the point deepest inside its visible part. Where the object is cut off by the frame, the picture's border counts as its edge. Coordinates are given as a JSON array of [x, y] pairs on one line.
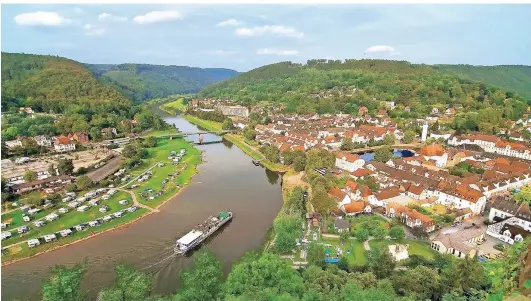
[[50, 83], [334, 86], [512, 78], [141, 82]]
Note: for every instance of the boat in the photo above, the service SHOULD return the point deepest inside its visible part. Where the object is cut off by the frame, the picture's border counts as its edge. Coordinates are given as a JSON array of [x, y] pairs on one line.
[[256, 163], [201, 232]]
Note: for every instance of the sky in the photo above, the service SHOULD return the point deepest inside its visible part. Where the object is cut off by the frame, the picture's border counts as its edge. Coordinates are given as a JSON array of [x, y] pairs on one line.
[[245, 36]]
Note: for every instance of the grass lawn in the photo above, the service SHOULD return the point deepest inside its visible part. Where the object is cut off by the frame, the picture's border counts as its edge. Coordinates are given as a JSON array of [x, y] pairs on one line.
[[23, 250], [174, 107], [240, 142], [357, 254], [206, 124], [161, 132], [69, 219], [160, 153]]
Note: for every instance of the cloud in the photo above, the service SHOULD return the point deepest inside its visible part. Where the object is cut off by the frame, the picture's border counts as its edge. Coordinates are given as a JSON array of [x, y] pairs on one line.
[[272, 51], [229, 22], [78, 10], [158, 16], [41, 18], [91, 30], [277, 30], [109, 17], [382, 49]]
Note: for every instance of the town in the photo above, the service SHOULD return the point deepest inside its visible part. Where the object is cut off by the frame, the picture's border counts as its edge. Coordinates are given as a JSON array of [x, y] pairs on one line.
[[466, 195]]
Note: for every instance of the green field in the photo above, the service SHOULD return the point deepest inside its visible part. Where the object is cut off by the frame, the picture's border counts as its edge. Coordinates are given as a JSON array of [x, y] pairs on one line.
[[160, 153], [69, 219], [357, 255], [156, 133], [206, 124], [174, 107], [23, 250]]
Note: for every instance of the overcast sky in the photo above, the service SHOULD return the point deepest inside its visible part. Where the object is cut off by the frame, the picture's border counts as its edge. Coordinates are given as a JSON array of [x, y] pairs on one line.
[[243, 37]]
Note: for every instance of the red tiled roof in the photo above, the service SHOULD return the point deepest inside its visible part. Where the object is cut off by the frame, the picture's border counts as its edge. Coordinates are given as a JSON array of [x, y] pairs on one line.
[[432, 150], [355, 207], [352, 185], [347, 156], [337, 193], [62, 140]]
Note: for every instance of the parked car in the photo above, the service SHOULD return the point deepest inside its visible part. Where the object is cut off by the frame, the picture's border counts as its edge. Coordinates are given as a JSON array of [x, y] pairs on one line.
[[132, 209]]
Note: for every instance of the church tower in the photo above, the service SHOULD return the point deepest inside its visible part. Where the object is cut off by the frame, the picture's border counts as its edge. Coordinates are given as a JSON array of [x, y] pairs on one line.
[[424, 131]]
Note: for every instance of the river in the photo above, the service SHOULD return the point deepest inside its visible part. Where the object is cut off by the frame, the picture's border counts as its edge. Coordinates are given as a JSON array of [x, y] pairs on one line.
[[227, 180]]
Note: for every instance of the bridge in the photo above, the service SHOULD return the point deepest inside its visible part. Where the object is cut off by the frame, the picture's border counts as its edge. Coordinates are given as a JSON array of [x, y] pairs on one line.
[[186, 134], [410, 146]]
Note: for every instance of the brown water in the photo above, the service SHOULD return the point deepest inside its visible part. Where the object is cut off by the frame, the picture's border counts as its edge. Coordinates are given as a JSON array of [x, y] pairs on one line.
[[227, 180]]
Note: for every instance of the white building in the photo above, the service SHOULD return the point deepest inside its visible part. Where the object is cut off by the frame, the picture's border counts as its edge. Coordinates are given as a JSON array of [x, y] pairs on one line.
[[511, 221], [349, 162], [63, 144]]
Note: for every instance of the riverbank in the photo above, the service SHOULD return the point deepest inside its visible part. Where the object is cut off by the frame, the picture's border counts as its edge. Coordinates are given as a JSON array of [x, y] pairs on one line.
[[240, 142], [19, 250], [174, 107]]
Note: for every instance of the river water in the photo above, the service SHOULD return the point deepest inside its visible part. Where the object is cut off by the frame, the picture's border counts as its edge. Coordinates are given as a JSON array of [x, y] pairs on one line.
[[227, 180]]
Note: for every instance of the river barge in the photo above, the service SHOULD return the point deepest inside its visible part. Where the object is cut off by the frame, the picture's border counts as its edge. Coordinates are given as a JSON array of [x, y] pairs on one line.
[[201, 232]]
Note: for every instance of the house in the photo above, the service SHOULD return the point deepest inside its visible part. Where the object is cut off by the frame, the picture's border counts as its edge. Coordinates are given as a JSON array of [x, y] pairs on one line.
[[234, 111], [511, 221], [361, 173], [81, 138], [410, 217], [341, 225], [398, 251], [417, 192], [435, 111], [459, 243], [49, 237], [435, 152], [355, 208], [384, 195], [462, 214], [63, 144], [50, 182], [33, 243], [349, 162], [351, 188], [363, 110], [340, 196], [14, 143], [314, 218], [51, 217], [450, 112], [462, 196]]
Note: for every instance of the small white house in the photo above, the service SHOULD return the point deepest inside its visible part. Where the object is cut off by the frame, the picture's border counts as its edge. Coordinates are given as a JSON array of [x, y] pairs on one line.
[[118, 214], [349, 162], [33, 243], [51, 217], [65, 232], [23, 229], [34, 211], [49, 237], [39, 223], [62, 210], [83, 208], [6, 235], [93, 223], [132, 209], [26, 218], [123, 202]]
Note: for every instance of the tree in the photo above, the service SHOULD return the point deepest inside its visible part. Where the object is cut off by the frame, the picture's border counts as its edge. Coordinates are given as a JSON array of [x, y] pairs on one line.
[[299, 163], [347, 144], [316, 254], [83, 182], [150, 141], [524, 196], [33, 198], [249, 134], [409, 136], [64, 284], [129, 285], [389, 139], [203, 282], [30, 176], [422, 283], [322, 202], [227, 124], [361, 233], [263, 277], [419, 232], [381, 263], [379, 233], [326, 283], [287, 230], [65, 166], [382, 292], [52, 170], [344, 237], [397, 233], [383, 154]]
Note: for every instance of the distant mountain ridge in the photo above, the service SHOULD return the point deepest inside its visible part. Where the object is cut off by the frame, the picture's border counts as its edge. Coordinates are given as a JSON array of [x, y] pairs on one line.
[[141, 82]]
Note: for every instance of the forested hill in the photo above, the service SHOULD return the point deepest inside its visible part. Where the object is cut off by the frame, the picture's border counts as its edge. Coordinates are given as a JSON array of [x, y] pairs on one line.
[[50, 83], [326, 86], [515, 78], [141, 82]]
